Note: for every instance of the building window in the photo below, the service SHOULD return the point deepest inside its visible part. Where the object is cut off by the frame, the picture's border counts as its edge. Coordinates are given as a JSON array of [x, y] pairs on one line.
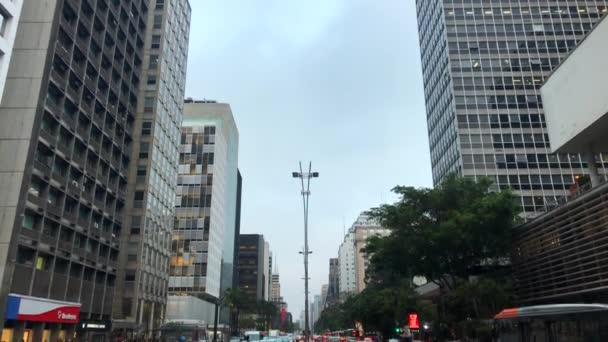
[[146, 129], [143, 150], [28, 221], [158, 21], [155, 42]]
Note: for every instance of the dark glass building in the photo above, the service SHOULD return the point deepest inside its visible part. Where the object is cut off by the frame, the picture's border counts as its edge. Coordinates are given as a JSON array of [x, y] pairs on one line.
[[67, 118], [483, 64]]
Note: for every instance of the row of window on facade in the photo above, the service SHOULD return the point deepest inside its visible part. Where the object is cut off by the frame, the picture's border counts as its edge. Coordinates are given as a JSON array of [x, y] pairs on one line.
[[547, 45], [525, 10], [490, 28]]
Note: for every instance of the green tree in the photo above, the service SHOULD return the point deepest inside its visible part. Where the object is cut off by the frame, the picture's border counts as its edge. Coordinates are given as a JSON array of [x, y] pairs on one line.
[[267, 311], [234, 300], [443, 233]]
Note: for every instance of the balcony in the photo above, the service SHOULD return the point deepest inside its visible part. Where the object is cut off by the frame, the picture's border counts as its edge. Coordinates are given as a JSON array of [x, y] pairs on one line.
[[40, 202], [82, 43], [53, 107], [83, 222], [57, 77], [88, 196], [83, 132], [91, 169], [65, 245], [48, 239], [78, 68], [78, 158], [64, 147], [91, 257], [73, 93], [69, 120], [86, 21], [53, 209], [98, 119], [59, 176], [48, 136], [74, 188], [70, 216], [63, 52], [43, 164], [30, 233], [87, 106]]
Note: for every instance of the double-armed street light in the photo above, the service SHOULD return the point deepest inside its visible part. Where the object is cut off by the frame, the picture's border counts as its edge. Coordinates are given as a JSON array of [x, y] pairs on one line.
[[305, 178]]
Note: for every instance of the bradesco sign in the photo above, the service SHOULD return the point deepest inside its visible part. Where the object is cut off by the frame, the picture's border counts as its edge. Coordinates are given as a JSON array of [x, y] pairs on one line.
[[25, 308]]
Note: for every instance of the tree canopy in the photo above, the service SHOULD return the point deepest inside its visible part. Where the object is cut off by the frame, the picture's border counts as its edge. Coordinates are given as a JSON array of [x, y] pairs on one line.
[[444, 233], [447, 234]]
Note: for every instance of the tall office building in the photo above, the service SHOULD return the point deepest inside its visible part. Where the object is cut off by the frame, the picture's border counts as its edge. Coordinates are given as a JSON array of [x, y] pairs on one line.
[[10, 11], [483, 64], [202, 247], [67, 122], [251, 269], [144, 264]]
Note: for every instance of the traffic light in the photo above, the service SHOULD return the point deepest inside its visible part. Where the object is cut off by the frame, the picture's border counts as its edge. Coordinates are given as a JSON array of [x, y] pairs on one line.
[[398, 330]]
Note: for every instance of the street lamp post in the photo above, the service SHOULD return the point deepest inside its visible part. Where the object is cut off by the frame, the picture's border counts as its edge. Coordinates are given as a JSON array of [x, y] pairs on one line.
[[306, 176]]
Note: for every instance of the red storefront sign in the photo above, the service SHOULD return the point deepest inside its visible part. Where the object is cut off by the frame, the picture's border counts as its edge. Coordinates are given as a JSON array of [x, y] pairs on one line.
[[413, 321]]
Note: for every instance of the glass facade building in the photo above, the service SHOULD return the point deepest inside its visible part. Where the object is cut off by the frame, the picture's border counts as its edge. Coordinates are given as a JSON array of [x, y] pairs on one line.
[[144, 272], [202, 247], [483, 65]]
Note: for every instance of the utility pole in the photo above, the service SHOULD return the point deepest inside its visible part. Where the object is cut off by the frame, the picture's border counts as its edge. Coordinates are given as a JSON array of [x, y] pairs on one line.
[[305, 195]]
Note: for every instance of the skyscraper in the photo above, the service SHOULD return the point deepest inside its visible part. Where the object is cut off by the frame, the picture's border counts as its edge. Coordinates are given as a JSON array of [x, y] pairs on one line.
[[202, 248], [251, 269], [143, 274], [483, 64], [67, 117]]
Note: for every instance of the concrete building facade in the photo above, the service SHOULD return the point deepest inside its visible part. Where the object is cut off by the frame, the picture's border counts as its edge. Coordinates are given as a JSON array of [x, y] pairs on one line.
[[483, 65], [143, 275], [364, 228], [202, 247], [67, 124]]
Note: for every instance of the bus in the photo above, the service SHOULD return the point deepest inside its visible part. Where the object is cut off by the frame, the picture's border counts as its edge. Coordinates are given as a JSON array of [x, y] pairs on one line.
[[553, 323], [187, 330]]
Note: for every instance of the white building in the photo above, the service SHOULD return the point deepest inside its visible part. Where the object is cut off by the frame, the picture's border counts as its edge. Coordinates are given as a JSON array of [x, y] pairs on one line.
[[346, 261], [206, 195], [10, 10]]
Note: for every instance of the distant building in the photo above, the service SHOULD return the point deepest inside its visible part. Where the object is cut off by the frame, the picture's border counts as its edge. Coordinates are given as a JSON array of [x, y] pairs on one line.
[[251, 268], [324, 289], [333, 291], [202, 251], [267, 271], [276, 289], [346, 261], [364, 228]]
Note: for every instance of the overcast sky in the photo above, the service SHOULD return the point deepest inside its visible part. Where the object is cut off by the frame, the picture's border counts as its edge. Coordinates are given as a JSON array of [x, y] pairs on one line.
[[337, 82]]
